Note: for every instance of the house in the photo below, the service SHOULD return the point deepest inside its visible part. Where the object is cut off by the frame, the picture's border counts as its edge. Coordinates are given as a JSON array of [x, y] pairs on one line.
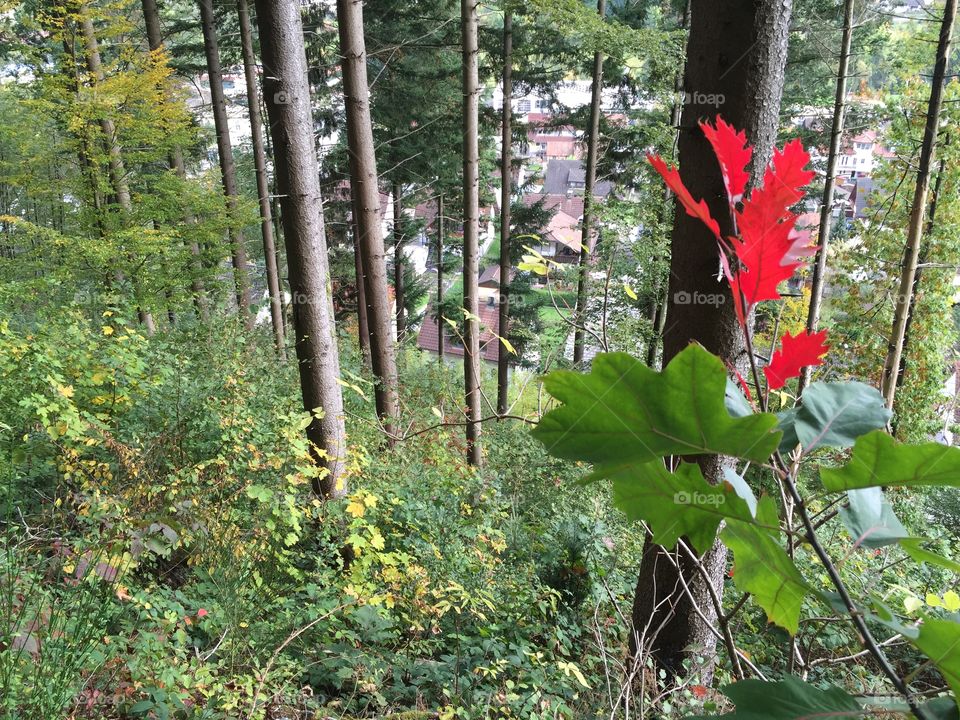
[[430, 329], [568, 177]]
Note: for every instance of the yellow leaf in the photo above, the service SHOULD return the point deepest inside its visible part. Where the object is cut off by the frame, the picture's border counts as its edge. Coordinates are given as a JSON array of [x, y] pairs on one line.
[[437, 412], [951, 601], [356, 509], [65, 390], [933, 600], [107, 330], [629, 291], [507, 345], [912, 604]]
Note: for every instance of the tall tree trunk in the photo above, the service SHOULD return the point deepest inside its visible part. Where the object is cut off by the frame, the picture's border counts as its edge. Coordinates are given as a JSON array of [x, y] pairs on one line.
[[365, 193], [593, 136], [658, 318], [263, 182], [298, 184], [118, 171], [398, 264], [228, 172], [440, 231], [915, 228], [471, 226], [363, 315], [751, 85], [506, 181], [921, 260], [826, 208], [151, 18]]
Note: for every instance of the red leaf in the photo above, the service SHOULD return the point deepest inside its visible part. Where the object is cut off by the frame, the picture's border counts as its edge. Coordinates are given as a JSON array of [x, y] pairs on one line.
[[699, 691], [769, 248], [693, 208], [796, 352], [733, 154], [201, 613]]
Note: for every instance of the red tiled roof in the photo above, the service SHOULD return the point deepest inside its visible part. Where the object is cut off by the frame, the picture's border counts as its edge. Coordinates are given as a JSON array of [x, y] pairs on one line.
[[572, 205], [489, 327]]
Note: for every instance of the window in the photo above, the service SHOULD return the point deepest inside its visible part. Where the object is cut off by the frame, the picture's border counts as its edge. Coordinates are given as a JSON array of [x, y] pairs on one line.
[[523, 106], [542, 104]]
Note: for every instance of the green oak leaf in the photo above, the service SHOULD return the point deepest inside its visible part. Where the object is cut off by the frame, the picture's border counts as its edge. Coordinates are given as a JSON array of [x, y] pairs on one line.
[[880, 461], [763, 568], [787, 699], [833, 415], [870, 520], [675, 504], [623, 412]]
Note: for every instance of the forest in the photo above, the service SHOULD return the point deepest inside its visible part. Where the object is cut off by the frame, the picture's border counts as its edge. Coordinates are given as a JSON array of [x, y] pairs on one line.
[[455, 360]]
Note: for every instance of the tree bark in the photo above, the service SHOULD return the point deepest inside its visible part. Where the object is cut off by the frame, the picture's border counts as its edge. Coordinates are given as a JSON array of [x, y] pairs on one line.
[[151, 19], [471, 226], [263, 182], [117, 169], [225, 152], [826, 208], [593, 136], [658, 318], [440, 231], [506, 181], [363, 315], [298, 184], [365, 193], [750, 84], [398, 262], [915, 228]]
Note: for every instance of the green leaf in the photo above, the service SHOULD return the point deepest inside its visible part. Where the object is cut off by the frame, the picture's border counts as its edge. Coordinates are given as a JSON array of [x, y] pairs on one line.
[[261, 493], [836, 414], [676, 504], [914, 548], [623, 412], [788, 699], [762, 568], [736, 403], [939, 640], [870, 520], [880, 461], [941, 708]]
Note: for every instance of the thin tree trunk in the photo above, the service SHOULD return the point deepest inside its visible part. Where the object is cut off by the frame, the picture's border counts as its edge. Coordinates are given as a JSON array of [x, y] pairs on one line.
[[228, 172], [398, 262], [471, 226], [915, 228], [118, 171], [363, 323], [365, 192], [506, 181], [826, 208], [263, 183], [658, 318], [175, 161], [921, 259], [593, 136], [665, 622], [440, 231], [298, 184]]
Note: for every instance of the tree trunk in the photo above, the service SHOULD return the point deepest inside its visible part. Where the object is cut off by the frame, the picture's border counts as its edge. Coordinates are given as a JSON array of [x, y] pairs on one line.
[[440, 231], [471, 226], [118, 171], [915, 228], [298, 184], [826, 208], [921, 259], [593, 136], [151, 18], [225, 151], [506, 180], [365, 192], [263, 183], [658, 318], [398, 262], [751, 85], [363, 322]]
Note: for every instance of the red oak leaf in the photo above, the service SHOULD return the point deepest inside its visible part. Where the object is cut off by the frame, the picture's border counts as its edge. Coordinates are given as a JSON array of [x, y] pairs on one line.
[[694, 208], [769, 248], [733, 154], [796, 352]]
